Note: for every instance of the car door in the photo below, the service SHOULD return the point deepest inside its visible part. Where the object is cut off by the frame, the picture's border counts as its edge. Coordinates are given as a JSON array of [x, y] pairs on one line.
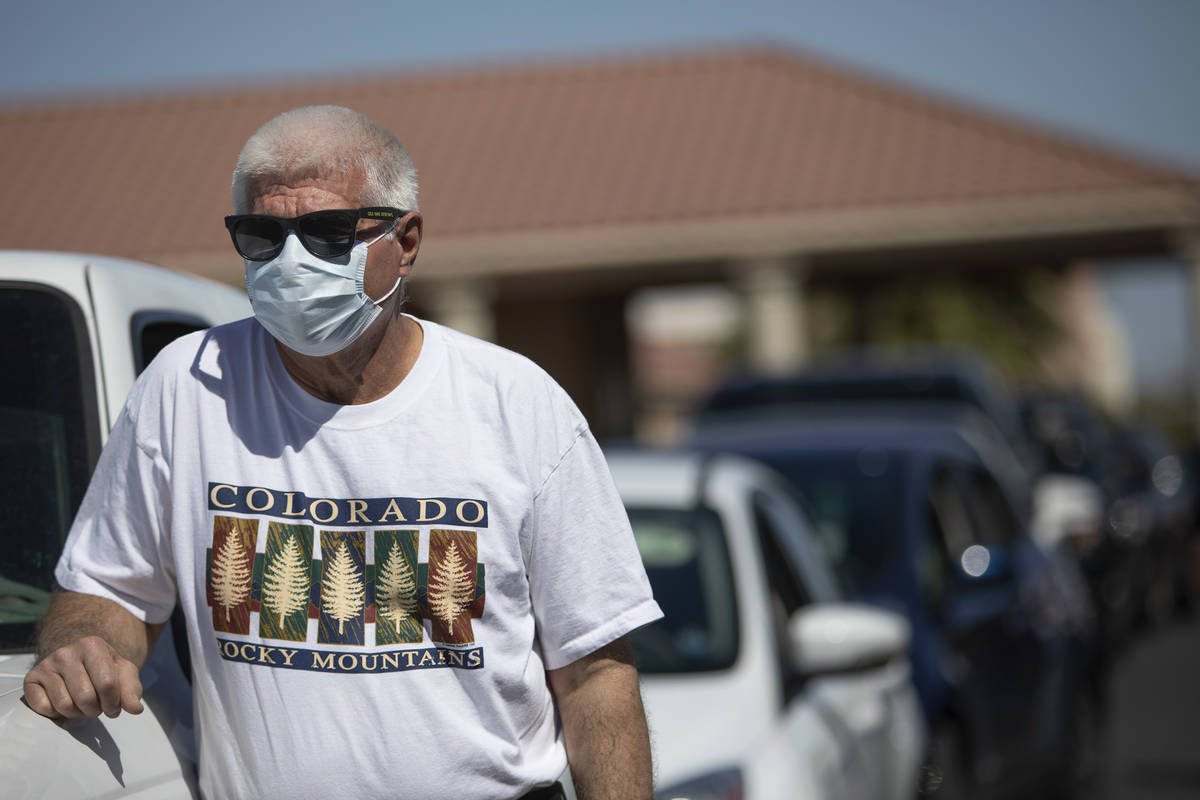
[[1012, 558], [989, 646], [51, 428], [859, 710]]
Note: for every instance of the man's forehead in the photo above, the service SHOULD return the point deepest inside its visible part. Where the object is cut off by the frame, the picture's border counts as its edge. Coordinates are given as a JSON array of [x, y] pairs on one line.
[[311, 185]]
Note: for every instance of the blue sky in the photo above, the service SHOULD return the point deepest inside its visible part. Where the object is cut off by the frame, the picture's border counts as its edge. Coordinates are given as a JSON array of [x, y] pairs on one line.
[[1117, 71]]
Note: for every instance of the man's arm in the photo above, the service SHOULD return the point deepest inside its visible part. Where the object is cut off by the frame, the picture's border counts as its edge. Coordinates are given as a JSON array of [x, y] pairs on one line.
[[608, 744], [89, 652]]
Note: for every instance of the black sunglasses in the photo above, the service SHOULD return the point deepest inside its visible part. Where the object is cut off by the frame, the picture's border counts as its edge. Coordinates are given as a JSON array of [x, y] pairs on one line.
[[326, 234]]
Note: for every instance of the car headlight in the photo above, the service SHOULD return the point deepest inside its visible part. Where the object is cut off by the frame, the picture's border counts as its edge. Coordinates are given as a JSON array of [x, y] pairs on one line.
[[724, 784]]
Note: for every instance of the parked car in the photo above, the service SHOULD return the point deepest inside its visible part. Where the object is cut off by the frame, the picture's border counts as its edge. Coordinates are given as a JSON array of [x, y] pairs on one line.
[[1131, 557], [761, 681], [1064, 511], [915, 521], [1157, 477], [79, 328], [931, 383]]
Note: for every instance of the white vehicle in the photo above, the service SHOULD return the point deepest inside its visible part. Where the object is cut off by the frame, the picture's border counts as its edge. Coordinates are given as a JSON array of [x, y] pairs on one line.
[[77, 330], [760, 682]]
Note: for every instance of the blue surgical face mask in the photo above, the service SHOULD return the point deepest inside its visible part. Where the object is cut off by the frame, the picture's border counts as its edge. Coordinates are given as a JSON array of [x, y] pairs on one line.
[[313, 306]]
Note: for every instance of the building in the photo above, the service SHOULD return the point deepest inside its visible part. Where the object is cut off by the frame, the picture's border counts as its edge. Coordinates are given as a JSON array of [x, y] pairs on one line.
[[553, 193]]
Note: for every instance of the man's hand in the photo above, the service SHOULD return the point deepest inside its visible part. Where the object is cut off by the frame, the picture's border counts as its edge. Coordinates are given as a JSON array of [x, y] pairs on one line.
[[91, 650], [84, 679], [604, 724]]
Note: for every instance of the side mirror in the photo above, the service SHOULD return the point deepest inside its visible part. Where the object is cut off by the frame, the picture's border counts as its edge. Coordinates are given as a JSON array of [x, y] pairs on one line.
[[844, 637]]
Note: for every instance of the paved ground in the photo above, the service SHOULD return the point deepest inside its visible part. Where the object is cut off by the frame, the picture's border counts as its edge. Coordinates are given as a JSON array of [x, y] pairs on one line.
[[1153, 738]]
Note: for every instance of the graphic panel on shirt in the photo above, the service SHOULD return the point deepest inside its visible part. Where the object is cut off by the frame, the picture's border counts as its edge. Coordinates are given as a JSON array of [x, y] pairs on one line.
[[286, 582], [231, 573], [343, 587], [397, 600], [451, 595]]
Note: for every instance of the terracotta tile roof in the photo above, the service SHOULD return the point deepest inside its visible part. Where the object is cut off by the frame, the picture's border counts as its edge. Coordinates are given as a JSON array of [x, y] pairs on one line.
[[678, 138]]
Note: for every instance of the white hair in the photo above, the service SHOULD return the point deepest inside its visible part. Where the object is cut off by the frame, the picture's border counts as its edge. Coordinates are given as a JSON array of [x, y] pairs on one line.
[[318, 141]]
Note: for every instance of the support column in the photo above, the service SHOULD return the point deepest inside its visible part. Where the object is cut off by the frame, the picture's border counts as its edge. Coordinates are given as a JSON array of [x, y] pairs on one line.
[[773, 297], [465, 308]]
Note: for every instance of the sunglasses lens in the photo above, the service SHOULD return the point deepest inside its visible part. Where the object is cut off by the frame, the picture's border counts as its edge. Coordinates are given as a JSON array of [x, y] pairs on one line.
[[328, 234], [258, 238]]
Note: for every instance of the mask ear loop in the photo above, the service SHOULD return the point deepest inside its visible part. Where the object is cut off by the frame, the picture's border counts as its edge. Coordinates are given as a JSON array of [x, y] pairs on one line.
[[390, 292]]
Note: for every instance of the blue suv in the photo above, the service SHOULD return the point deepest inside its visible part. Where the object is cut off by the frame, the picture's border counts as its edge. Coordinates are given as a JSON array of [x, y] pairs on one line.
[[913, 520]]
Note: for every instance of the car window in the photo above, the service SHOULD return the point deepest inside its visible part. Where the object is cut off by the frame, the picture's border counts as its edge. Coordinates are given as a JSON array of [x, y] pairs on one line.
[[50, 436], [948, 534], [949, 515], [687, 560], [970, 513], [49, 440], [782, 576], [993, 518], [154, 330], [785, 517], [856, 503]]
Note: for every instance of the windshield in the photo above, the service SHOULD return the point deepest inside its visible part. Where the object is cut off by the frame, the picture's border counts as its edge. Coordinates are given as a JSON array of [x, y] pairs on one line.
[[855, 501], [49, 439], [688, 564]]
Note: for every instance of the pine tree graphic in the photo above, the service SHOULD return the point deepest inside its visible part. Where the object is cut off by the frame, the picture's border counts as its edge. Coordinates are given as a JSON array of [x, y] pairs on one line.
[[285, 585], [231, 573], [451, 589], [395, 588], [342, 591]]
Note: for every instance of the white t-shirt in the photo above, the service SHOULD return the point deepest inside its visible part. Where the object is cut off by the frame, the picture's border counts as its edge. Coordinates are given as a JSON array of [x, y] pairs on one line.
[[373, 592]]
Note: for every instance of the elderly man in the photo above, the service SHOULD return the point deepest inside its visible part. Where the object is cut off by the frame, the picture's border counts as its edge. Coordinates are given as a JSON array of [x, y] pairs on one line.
[[397, 548]]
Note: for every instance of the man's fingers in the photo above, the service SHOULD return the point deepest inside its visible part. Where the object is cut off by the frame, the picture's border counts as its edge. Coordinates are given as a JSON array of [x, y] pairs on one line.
[[79, 682], [59, 701], [38, 700], [84, 679], [102, 680], [131, 687]]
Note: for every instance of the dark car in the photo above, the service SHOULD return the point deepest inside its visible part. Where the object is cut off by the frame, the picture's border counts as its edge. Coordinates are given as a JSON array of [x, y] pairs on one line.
[[1062, 507], [1133, 561], [915, 521], [1164, 490]]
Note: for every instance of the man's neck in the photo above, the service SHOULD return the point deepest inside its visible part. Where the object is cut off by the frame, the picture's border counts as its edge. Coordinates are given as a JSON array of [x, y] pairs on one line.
[[367, 370]]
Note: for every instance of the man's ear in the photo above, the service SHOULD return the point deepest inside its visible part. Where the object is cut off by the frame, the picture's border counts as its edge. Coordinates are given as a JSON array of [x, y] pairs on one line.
[[408, 236]]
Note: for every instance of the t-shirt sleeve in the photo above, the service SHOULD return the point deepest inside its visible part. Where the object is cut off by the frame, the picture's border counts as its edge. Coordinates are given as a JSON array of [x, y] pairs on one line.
[[586, 578], [118, 546]]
